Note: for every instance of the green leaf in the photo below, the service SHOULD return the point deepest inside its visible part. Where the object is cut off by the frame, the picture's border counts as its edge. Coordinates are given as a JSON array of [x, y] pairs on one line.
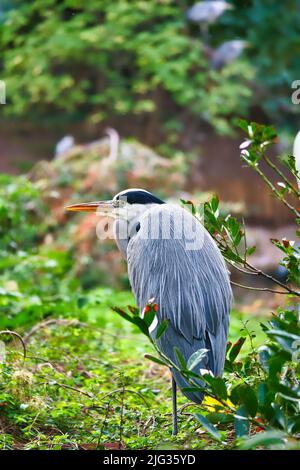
[[137, 321], [285, 339], [263, 395], [276, 363], [209, 427], [191, 373], [123, 314], [220, 418], [263, 439], [190, 204], [214, 203], [217, 385], [149, 317], [286, 391], [180, 358], [155, 359], [134, 310], [235, 350], [265, 354], [190, 389], [196, 357], [241, 422], [279, 415], [243, 124], [162, 328], [251, 250], [243, 394]]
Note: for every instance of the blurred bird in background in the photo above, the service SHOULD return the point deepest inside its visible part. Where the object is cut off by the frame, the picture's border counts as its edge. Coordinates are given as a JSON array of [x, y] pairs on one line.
[[63, 145], [206, 13], [227, 53]]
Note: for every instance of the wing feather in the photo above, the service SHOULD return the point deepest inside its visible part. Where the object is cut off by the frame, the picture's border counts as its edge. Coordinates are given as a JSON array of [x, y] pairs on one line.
[[191, 286]]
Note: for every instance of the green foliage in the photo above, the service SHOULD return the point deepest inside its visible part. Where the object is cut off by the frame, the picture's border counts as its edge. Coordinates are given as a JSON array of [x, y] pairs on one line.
[[19, 204], [230, 234], [272, 32], [208, 426], [35, 282], [261, 392], [96, 60], [68, 393], [254, 152]]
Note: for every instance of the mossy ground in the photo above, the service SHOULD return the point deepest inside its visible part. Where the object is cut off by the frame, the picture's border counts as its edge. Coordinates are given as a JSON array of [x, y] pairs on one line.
[[87, 385]]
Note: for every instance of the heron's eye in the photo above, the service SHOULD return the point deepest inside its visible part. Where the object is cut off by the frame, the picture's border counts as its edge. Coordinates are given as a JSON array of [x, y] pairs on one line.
[[121, 203]]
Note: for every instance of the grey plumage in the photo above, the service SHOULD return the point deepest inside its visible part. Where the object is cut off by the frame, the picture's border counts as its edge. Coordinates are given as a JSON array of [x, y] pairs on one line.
[[227, 53], [173, 259], [65, 144], [207, 11], [191, 288]]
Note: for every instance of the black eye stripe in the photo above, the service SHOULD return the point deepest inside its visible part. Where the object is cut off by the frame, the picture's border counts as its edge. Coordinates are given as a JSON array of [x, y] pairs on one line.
[[139, 197]]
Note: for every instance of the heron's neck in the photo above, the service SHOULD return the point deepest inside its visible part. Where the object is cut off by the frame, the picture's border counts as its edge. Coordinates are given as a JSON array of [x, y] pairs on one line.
[[126, 225]]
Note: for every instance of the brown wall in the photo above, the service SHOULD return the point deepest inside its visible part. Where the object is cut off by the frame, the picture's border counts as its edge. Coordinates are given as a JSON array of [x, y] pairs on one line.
[[217, 168], [220, 169]]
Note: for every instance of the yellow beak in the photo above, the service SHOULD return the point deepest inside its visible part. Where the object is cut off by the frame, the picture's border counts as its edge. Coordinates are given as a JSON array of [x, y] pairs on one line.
[[105, 206]]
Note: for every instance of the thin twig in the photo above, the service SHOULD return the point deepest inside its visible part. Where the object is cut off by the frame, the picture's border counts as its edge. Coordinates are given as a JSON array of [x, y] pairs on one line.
[[273, 279], [71, 388], [121, 418], [13, 333], [255, 271], [52, 321], [104, 422], [282, 176], [244, 271], [276, 192], [126, 390], [263, 289]]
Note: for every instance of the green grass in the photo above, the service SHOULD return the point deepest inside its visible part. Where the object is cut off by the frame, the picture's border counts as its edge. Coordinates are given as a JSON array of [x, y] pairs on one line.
[[88, 385]]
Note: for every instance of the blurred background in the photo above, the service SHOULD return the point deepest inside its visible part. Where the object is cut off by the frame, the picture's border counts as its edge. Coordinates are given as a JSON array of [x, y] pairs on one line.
[[97, 96], [103, 95]]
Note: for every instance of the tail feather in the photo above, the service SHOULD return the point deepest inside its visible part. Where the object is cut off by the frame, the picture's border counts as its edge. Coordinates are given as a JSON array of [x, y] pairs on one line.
[[213, 361], [166, 345]]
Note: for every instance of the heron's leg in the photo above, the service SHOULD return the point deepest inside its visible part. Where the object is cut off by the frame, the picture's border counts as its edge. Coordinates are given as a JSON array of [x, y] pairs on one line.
[[174, 407]]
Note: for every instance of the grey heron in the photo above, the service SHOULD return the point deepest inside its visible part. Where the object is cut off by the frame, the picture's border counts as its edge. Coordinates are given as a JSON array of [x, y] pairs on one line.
[[207, 11], [227, 53], [63, 145], [173, 259]]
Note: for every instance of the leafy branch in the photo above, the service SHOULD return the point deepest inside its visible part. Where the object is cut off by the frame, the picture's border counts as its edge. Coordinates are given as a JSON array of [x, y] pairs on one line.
[[230, 237], [256, 392], [230, 234], [253, 152]]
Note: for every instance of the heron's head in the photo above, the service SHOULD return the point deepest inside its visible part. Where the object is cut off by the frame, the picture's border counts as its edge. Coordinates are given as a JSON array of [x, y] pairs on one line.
[[127, 204]]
